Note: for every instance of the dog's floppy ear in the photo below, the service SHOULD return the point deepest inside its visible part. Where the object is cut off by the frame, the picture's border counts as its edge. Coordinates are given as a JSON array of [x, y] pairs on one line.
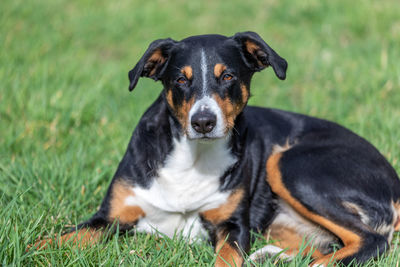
[[258, 55], [153, 62]]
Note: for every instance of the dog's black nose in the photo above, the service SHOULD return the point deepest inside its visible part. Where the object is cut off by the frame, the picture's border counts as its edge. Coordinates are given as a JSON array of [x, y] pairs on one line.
[[204, 122]]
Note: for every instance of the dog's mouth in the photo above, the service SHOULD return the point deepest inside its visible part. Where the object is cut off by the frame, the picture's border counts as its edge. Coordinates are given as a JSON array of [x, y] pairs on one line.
[[208, 138], [205, 138]]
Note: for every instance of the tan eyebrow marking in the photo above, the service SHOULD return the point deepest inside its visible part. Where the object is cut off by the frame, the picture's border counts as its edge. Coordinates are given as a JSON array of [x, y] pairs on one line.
[[219, 69], [187, 71]]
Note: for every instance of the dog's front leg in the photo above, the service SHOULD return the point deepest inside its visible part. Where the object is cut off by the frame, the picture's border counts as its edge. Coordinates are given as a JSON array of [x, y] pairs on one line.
[[229, 230], [118, 208], [232, 240]]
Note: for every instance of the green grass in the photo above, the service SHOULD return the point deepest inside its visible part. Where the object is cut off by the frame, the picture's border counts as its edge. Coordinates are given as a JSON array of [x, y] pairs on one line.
[[66, 114]]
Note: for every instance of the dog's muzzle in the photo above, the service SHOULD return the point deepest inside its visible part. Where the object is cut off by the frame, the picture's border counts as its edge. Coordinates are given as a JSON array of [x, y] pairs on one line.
[[206, 120]]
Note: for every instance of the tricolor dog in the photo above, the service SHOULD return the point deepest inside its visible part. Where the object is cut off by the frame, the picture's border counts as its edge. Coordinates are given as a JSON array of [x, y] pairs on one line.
[[204, 164]]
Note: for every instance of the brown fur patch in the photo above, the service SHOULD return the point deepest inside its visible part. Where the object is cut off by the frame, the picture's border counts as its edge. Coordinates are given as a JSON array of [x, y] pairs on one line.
[[352, 241], [170, 99], [229, 109], [188, 72], [219, 69], [182, 112], [397, 221], [252, 48], [155, 60], [118, 210], [287, 238], [224, 212], [227, 255], [82, 238], [245, 94]]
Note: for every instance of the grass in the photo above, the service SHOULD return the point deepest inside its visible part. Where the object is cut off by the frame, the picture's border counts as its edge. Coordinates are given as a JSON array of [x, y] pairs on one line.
[[66, 115]]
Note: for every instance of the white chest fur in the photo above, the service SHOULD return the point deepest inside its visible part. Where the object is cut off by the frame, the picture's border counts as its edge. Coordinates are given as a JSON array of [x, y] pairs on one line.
[[187, 184]]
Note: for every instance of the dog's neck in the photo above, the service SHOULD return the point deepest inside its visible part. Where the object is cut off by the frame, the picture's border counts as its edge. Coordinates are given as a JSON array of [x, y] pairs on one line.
[[206, 157]]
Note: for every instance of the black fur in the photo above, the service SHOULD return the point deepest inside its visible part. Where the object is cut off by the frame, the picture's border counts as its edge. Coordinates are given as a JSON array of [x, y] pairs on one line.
[[327, 164]]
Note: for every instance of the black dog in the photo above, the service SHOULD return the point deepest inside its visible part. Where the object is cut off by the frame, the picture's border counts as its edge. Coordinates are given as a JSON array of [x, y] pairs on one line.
[[201, 163]]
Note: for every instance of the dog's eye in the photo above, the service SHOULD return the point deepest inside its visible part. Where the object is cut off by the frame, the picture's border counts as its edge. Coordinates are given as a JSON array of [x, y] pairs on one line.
[[227, 77], [181, 80]]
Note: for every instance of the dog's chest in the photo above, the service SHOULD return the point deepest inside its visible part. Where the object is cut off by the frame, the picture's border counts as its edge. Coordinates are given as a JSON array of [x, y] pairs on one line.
[[187, 184]]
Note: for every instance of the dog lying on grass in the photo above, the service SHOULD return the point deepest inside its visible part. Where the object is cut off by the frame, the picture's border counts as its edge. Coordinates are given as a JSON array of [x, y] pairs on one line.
[[203, 163]]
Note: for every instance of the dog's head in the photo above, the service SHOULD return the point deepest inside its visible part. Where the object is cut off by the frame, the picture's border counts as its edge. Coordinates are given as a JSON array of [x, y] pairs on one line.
[[206, 78]]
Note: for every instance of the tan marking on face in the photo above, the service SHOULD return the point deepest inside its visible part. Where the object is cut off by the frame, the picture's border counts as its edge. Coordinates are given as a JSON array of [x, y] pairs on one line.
[[287, 238], [188, 72], [125, 214], [226, 254], [182, 112], [397, 221], [351, 240], [224, 211], [245, 94], [169, 98], [228, 109], [82, 238], [231, 110], [219, 69], [156, 59]]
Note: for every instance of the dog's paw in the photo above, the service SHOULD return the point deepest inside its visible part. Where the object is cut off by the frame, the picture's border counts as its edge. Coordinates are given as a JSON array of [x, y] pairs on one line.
[[270, 251]]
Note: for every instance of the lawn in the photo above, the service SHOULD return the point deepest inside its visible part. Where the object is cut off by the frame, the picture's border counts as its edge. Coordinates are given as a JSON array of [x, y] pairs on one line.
[[66, 114]]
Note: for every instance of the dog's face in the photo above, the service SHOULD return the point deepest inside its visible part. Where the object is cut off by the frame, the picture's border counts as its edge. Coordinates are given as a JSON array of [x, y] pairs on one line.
[[206, 78]]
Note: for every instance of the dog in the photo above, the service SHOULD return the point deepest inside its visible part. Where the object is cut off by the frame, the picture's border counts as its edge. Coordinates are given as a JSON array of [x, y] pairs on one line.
[[203, 164]]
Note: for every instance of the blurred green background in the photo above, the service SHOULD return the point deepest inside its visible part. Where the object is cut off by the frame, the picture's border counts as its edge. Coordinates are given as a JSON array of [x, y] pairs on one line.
[[66, 114]]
